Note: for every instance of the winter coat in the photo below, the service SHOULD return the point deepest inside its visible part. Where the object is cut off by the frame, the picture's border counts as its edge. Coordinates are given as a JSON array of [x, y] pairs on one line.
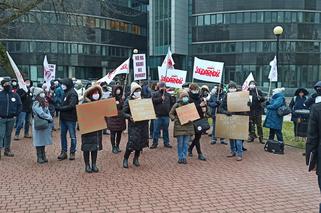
[[311, 100], [297, 103], [26, 100], [180, 130], [117, 123], [314, 135], [162, 107], [41, 137], [196, 99], [138, 135], [10, 104], [273, 120], [59, 96], [212, 103], [256, 108], [92, 141], [68, 106]]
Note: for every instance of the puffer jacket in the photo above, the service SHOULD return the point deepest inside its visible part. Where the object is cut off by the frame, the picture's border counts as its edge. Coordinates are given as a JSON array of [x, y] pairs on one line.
[[68, 106], [10, 104], [273, 120], [117, 123], [180, 130]]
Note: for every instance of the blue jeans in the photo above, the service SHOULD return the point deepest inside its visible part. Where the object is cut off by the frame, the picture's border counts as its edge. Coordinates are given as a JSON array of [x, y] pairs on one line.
[[278, 134], [236, 147], [161, 123], [182, 146], [71, 127], [23, 120], [6, 127]]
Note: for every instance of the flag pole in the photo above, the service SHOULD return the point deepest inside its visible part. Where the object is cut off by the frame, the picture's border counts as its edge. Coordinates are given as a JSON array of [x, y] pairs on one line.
[[269, 89]]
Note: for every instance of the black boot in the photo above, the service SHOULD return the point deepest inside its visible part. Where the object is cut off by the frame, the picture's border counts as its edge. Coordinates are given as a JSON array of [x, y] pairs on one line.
[[125, 163], [39, 155], [93, 161], [114, 150], [86, 159], [136, 161], [44, 157]]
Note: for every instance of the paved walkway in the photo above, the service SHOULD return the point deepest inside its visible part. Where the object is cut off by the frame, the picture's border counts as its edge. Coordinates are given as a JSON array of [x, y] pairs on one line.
[[262, 182]]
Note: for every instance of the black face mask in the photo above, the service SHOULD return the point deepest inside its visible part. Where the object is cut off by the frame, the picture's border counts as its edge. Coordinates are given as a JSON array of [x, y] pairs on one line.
[[7, 88]]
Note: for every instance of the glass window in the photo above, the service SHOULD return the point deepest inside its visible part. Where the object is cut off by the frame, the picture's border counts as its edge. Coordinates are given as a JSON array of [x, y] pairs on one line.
[[53, 18], [32, 18], [317, 18], [294, 19], [280, 17], [102, 24], [207, 20], [22, 46], [239, 47], [246, 47], [104, 50], [219, 18], [108, 24], [253, 17], [260, 17], [253, 47], [218, 48], [233, 18], [287, 17], [232, 47], [259, 46], [200, 20], [227, 18], [67, 48], [267, 17], [114, 25], [300, 17], [213, 19], [97, 23], [239, 18], [54, 47], [73, 20], [60, 48], [80, 21], [266, 46], [98, 50], [90, 22], [45, 18], [74, 49], [80, 49], [247, 17], [274, 16]]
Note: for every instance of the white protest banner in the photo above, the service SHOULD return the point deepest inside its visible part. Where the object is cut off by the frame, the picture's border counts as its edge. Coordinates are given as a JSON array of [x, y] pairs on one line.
[[247, 82], [122, 69], [210, 71], [21, 82], [174, 79], [139, 61], [49, 72]]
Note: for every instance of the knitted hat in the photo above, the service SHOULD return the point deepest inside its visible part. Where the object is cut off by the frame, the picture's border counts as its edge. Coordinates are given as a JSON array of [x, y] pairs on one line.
[[4, 81], [205, 87], [278, 90], [134, 86], [232, 84], [183, 93], [37, 91]]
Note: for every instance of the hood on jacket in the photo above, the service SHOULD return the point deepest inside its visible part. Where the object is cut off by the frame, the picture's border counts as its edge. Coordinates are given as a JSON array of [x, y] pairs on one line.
[[301, 90], [91, 90], [278, 91], [68, 82], [318, 84], [133, 87], [113, 93]]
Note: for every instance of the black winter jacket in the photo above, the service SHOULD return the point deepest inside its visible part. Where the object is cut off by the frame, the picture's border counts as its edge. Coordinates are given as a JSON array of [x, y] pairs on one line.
[[162, 107], [26, 100], [257, 100], [68, 106], [10, 104]]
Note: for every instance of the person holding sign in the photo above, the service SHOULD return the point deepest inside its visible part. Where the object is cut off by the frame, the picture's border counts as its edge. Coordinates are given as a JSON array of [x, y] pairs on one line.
[[116, 124], [91, 142], [236, 145], [195, 97], [184, 132], [137, 131]]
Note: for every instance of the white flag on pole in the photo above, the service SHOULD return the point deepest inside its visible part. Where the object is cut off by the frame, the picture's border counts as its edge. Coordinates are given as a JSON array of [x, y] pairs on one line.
[[247, 82], [21, 82], [122, 69], [273, 75], [168, 62], [49, 72]]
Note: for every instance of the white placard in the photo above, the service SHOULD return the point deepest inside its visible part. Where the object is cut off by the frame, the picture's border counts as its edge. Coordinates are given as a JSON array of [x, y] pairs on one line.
[[139, 61], [210, 71]]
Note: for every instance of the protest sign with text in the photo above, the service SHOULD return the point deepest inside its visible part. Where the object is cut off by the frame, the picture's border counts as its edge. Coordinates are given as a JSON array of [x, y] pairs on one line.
[[238, 101], [174, 78], [210, 71], [139, 61], [142, 109], [187, 113]]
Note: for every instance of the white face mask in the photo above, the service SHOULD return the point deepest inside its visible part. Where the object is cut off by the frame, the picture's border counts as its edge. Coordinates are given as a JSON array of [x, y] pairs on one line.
[[214, 90], [95, 96], [42, 95], [63, 87], [137, 94], [252, 86], [232, 90], [194, 91], [118, 92]]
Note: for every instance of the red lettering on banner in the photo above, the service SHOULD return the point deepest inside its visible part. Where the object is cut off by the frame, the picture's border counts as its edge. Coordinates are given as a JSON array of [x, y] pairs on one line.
[[210, 71], [173, 79]]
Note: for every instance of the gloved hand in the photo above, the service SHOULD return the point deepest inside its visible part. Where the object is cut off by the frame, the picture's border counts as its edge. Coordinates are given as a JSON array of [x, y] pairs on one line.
[[249, 103]]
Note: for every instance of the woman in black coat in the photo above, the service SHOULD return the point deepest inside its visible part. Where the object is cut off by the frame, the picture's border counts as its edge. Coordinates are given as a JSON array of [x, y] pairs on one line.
[[91, 142], [116, 124], [201, 106], [137, 131]]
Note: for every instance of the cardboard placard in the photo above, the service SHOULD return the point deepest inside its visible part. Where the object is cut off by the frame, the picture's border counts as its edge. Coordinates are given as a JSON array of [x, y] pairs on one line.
[[237, 101], [232, 127], [142, 109], [187, 113], [91, 116]]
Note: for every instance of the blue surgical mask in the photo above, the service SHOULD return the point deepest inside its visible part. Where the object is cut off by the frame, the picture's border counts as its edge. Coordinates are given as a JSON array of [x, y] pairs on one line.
[[185, 100]]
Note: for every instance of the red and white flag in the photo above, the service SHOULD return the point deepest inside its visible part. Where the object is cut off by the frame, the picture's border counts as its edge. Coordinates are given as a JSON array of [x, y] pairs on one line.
[[210, 71], [168, 62], [122, 69], [21, 82], [173, 78], [246, 83], [49, 72]]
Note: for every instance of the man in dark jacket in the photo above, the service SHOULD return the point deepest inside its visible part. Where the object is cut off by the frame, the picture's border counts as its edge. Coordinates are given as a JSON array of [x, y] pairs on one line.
[[162, 105], [25, 114], [314, 139], [312, 99], [10, 107], [68, 119], [256, 112]]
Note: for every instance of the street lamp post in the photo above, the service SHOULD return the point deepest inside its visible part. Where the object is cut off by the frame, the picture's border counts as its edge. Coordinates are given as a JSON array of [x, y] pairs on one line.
[[278, 31]]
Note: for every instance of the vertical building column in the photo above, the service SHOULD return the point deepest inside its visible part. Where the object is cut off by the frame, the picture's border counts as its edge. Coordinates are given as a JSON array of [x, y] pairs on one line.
[[71, 72]]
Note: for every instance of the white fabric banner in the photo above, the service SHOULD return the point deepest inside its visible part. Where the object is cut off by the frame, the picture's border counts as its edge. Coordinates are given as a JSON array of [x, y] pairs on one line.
[[21, 82], [122, 69], [246, 83], [168, 62], [49, 72], [139, 61], [210, 71], [174, 79], [273, 75]]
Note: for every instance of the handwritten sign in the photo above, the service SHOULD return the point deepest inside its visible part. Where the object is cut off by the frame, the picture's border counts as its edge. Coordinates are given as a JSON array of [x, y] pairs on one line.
[[139, 61], [237, 101], [142, 109], [232, 127], [91, 116], [187, 113]]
